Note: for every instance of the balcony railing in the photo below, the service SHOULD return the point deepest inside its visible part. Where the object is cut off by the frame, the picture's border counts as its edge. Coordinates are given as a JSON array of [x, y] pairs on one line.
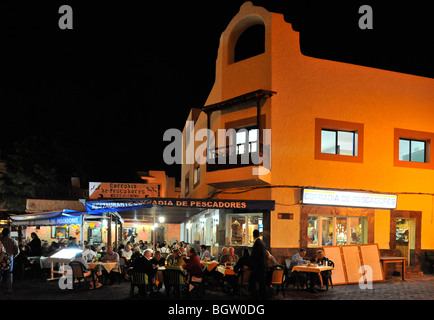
[[237, 156]]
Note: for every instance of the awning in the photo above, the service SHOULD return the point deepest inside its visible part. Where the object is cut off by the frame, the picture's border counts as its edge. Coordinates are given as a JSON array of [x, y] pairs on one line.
[[175, 210], [55, 218]]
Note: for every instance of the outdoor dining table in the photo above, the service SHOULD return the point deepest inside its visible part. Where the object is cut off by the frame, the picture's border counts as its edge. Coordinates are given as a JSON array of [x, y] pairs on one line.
[[210, 265], [108, 266], [312, 268], [226, 271]]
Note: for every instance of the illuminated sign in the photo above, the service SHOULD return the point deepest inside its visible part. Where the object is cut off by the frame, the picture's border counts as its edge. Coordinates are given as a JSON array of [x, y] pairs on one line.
[[121, 205], [349, 199], [106, 190]]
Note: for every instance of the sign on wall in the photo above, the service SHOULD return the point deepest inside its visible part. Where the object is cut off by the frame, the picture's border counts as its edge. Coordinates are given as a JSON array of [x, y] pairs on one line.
[[349, 199], [110, 190]]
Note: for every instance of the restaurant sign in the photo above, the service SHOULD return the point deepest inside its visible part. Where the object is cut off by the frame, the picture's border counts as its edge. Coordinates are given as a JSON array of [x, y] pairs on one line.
[[349, 199], [121, 205], [59, 221], [110, 190]]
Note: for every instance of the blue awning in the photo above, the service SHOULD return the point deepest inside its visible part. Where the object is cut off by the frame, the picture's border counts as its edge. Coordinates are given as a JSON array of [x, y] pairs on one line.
[[55, 218]]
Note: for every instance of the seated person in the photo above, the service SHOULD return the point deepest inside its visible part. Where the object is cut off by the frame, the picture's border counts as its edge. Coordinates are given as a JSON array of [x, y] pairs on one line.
[[204, 253], [110, 256], [321, 259], [172, 259], [137, 252], [297, 260], [127, 252], [87, 272], [194, 267], [230, 257], [143, 264], [222, 254], [244, 261], [89, 254], [271, 261], [158, 260]]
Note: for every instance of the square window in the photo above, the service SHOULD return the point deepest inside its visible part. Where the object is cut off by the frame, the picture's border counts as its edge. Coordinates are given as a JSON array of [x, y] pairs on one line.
[[413, 149], [338, 140]]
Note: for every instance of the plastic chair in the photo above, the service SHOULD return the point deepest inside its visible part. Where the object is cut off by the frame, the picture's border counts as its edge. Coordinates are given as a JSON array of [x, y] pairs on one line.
[[243, 279], [123, 265], [199, 284], [78, 271], [139, 279], [277, 278], [174, 279], [327, 275]]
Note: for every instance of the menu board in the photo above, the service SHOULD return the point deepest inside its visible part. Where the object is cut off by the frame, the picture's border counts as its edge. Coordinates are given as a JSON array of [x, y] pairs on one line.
[[334, 254], [371, 257], [352, 263]]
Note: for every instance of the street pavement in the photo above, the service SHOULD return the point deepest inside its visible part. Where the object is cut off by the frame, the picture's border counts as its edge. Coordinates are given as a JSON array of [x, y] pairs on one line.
[[415, 287]]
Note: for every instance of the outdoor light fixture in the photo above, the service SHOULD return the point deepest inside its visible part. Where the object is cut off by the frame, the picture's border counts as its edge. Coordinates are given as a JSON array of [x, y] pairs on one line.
[[104, 223], [188, 225], [161, 219]]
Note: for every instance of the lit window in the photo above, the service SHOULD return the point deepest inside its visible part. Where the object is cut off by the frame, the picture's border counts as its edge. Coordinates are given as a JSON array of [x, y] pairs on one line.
[[242, 143], [339, 142], [240, 228], [412, 150], [336, 231]]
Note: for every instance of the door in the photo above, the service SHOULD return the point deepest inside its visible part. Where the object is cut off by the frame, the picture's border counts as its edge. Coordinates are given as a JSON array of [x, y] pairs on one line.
[[405, 239]]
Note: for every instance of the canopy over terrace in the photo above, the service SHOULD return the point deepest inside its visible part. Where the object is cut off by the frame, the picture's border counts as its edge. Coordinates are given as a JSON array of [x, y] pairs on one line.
[[177, 210], [48, 218], [56, 218]]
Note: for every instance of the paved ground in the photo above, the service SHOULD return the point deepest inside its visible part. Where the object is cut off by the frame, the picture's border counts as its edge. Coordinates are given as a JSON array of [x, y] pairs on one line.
[[416, 287]]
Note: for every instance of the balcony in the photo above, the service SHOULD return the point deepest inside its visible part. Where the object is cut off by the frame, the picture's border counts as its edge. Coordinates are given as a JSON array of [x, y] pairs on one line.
[[239, 165]]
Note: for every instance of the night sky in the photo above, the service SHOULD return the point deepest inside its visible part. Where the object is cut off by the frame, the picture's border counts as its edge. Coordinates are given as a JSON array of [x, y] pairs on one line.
[[128, 71]]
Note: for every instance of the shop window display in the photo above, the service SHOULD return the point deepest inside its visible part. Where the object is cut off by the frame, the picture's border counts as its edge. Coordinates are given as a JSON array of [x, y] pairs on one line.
[[336, 230], [240, 228]]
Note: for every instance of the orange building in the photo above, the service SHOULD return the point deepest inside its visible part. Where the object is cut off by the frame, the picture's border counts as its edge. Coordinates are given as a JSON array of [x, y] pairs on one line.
[[335, 128]]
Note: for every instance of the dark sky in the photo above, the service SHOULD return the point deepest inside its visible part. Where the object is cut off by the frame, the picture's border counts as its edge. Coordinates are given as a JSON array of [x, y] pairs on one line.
[[128, 71]]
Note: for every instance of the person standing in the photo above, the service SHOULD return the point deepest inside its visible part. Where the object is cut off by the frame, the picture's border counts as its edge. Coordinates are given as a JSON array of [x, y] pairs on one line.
[[35, 245], [259, 263], [11, 248]]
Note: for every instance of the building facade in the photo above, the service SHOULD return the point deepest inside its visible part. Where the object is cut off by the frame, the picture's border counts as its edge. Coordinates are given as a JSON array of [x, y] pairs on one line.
[[314, 124]]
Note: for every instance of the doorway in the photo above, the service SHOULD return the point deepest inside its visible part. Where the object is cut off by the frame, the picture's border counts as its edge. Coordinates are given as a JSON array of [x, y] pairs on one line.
[[160, 234], [406, 239]]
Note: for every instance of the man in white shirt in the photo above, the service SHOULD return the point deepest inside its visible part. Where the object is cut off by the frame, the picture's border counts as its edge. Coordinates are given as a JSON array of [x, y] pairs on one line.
[[88, 254], [127, 252]]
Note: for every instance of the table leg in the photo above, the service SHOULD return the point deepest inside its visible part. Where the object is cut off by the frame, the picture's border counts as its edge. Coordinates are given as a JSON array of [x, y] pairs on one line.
[[403, 270]]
